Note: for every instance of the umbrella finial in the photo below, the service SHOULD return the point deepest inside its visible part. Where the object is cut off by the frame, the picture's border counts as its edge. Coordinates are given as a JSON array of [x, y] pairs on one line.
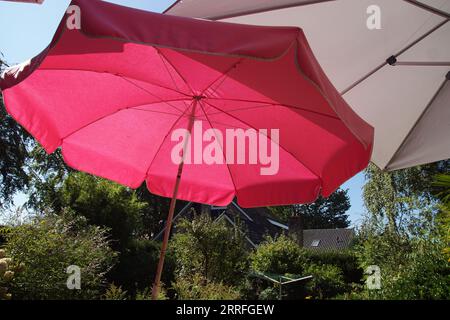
[[198, 97], [392, 60]]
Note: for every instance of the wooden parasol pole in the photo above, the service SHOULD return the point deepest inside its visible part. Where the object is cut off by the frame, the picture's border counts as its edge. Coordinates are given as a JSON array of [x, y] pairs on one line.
[[157, 283]]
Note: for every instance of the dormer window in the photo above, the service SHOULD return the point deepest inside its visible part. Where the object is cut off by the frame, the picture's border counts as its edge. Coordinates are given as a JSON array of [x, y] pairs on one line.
[[315, 243]]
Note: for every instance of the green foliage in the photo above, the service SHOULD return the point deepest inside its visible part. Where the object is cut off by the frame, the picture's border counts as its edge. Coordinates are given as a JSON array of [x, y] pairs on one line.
[[152, 219], [377, 246], [444, 225], [8, 270], [284, 257], [104, 204], [49, 245], [210, 248], [136, 268], [398, 195], [196, 287], [345, 260], [412, 266], [48, 174], [146, 294], [13, 156], [408, 246], [324, 213], [420, 271], [270, 293], [327, 281], [442, 184], [4, 231], [115, 293], [281, 256], [425, 274]]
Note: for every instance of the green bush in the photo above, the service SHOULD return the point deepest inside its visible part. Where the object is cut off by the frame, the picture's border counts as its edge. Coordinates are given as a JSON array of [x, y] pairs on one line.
[[105, 204], [146, 294], [281, 256], [411, 266], [197, 287], [135, 270], [48, 246], [406, 232], [8, 270], [210, 248], [115, 293], [3, 233], [424, 275], [327, 281], [345, 260], [270, 293]]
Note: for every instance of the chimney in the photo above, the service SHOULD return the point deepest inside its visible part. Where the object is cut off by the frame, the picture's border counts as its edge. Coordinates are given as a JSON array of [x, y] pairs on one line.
[[296, 229]]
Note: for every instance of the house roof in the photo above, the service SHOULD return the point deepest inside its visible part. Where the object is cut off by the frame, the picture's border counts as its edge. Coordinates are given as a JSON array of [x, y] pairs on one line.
[[327, 239], [259, 222]]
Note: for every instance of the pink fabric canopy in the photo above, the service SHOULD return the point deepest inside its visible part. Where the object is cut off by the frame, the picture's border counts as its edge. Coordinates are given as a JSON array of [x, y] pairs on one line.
[[111, 93]]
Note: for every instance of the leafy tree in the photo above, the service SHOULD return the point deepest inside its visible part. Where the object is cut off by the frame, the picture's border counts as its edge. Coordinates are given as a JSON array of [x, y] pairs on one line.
[[399, 194], [132, 217], [442, 191], [378, 246], [442, 184], [403, 234], [48, 174], [104, 204], [324, 213], [119, 209], [425, 275], [153, 218], [13, 156], [49, 245], [211, 249], [411, 268]]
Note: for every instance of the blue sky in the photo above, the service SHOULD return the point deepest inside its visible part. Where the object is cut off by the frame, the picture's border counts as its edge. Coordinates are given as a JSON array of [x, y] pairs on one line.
[[26, 29]]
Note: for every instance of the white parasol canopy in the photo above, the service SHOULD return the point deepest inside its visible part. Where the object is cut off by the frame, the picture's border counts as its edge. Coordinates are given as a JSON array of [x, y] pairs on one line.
[[390, 59], [27, 1]]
